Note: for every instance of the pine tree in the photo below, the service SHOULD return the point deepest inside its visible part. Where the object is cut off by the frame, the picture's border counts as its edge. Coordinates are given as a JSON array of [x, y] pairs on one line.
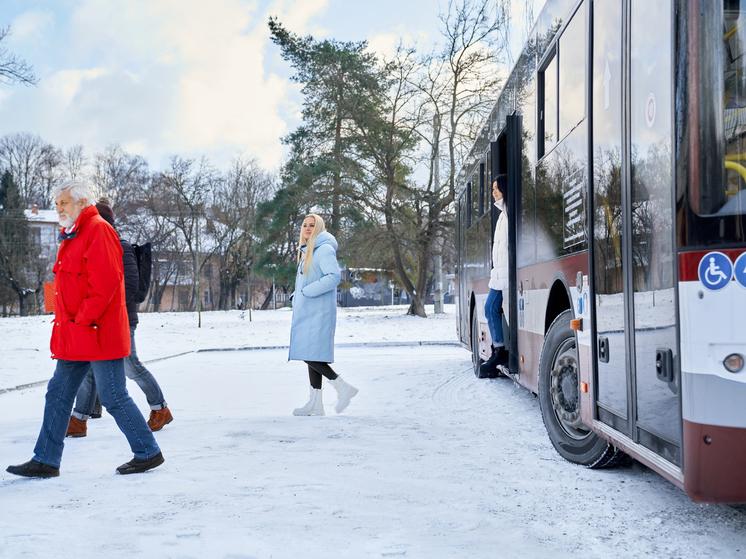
[[16, 251], [338, 79]]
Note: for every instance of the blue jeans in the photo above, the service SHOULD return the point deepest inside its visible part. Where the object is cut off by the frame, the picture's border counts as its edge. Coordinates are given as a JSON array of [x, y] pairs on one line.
[[114, 397], [493, 310], [135, 370]]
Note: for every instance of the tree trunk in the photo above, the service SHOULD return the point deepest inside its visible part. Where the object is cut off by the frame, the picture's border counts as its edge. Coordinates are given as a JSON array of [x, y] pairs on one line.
[[268, 299]]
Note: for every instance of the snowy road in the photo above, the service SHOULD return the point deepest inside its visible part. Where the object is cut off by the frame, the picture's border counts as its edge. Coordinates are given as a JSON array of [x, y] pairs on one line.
[[428, 462]]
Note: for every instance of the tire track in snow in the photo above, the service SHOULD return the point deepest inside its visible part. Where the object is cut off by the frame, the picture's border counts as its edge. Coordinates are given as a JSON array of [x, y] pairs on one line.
[[450, 393]]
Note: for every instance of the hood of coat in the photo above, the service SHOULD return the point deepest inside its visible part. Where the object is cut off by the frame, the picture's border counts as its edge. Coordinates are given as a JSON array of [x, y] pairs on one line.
[[324, 238]]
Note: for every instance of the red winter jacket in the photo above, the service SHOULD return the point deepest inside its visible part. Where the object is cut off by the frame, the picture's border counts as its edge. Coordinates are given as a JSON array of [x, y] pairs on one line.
[[90, 319]]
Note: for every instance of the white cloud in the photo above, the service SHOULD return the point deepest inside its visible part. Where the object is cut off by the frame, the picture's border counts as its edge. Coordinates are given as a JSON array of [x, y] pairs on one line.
[[166, 77], [385, 43], [29, 26], [297, 15]]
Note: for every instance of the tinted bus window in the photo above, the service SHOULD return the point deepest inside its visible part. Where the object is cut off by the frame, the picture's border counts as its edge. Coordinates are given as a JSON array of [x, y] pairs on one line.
[[715, 205], [526, 98], [572, 73], [475, 197], [481, 189], [469, 217], [549, 107]]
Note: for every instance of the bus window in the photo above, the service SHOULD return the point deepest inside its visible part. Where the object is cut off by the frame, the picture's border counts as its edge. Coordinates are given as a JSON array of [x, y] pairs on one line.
[[572, 73], [482, 203], [730, 198], [716, 208], [469, 218], [548, 108], [475, 197], [488, 181]]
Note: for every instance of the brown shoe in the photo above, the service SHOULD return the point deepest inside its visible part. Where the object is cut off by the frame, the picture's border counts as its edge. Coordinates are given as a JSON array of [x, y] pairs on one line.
[[159, 418], [76, 427]]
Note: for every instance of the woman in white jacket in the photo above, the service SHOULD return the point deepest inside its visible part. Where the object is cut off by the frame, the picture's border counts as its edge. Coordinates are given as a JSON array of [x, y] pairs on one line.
[[498, 280]]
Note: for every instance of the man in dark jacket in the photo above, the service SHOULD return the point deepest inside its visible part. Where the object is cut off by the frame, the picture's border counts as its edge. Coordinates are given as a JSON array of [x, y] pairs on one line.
[[160, 415], [89, 332]]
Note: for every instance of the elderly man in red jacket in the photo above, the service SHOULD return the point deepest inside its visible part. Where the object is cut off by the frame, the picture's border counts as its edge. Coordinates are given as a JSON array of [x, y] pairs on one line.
[[91, 330]]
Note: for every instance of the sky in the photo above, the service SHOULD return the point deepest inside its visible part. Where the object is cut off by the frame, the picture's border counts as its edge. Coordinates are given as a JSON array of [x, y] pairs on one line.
[[180, 77]]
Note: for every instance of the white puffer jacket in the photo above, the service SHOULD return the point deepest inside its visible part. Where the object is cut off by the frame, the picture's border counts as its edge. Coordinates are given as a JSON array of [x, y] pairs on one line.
[[499, 273]]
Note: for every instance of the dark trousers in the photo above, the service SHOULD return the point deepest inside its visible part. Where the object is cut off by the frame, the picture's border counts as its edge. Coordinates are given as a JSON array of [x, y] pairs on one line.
[[316, 369]]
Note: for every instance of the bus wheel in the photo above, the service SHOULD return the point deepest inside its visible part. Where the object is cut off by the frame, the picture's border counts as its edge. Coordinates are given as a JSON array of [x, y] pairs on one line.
[[475, 359], [560, 402]]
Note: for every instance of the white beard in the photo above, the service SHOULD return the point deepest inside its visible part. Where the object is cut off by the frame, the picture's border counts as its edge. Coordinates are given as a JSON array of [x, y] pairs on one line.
[[67, 221]]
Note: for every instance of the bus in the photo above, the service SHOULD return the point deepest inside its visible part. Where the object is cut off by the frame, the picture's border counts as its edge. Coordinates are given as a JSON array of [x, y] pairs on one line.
[[622, 131]]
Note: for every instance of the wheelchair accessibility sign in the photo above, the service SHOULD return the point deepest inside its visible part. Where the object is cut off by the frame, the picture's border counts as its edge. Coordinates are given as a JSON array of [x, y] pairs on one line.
[[715, 271], [739, 270]]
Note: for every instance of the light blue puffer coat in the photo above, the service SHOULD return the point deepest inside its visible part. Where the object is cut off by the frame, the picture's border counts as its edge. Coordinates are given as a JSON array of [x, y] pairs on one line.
[[315, 304]]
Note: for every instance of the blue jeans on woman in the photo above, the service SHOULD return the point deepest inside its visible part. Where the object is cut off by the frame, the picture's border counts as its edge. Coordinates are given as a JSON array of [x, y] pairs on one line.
[[113, 394], [493, 310], [133, 369]]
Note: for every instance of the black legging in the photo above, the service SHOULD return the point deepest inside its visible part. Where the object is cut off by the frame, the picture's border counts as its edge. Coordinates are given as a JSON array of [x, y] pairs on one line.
[[318, 368]]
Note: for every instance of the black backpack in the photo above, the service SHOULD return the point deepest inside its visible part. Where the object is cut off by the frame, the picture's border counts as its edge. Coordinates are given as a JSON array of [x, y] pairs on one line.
[[144, 269]]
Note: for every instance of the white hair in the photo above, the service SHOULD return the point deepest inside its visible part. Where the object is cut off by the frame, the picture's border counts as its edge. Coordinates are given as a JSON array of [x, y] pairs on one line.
[[78, 189]]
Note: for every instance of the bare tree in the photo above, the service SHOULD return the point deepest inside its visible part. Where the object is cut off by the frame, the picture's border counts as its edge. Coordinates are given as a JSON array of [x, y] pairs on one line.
[[75, 162], [34, 164], [185, 188], [119, 176], [233, 220], [12, 68], [438, 101]]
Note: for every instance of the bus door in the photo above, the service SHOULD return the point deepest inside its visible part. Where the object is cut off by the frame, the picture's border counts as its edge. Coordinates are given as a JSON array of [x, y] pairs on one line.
[[463, 300], [632, 255], [507, 159]]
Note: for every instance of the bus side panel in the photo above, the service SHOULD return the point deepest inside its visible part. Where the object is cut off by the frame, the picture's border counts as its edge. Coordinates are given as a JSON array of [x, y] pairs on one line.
[[529, 348], [714, 463], [479, 289], [534, 307], [713, 409]]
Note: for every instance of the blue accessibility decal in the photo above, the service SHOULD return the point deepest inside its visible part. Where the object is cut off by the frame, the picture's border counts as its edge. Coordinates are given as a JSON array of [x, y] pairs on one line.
[[715, 271], [739, 270]]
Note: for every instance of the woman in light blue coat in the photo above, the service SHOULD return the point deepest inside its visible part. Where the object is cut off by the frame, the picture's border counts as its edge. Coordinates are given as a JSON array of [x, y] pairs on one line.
[[315, 314]]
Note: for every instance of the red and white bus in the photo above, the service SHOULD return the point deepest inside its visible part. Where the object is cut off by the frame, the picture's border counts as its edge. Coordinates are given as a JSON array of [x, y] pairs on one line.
[[622, 130]]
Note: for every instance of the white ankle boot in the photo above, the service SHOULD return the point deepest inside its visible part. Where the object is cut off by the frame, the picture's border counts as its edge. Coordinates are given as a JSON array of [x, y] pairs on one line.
[[314, 406], [345, 393]]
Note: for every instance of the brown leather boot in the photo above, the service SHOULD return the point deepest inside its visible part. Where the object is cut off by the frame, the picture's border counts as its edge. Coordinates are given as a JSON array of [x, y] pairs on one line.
[[76, 427], [159, 418]]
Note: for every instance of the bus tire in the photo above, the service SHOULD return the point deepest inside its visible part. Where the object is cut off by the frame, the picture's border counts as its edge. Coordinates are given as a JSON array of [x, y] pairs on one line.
[[476, 361], [559, 392]]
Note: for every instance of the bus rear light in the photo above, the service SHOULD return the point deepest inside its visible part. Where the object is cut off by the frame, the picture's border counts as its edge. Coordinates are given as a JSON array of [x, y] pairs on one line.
[[584, 387], [734, 362], [522, 359], [577, 324]]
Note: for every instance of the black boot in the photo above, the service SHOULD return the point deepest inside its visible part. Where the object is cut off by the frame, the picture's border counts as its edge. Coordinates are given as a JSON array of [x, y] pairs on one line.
[[501, 360], [488, 369], [32, 468], [139, 465]]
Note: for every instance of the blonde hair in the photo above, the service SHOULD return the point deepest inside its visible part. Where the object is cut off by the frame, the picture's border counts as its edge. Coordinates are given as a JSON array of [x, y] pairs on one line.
[[318, 227]]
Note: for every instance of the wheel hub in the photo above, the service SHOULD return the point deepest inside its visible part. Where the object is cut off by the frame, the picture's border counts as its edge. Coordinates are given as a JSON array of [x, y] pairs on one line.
[[564, 391]]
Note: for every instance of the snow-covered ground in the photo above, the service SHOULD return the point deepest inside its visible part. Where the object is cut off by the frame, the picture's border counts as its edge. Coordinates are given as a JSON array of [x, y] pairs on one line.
[[25, 355], [427, 462]]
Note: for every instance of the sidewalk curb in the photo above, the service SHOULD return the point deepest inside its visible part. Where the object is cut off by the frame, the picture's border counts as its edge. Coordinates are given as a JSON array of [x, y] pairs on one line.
[[255, 348], [350, 344]]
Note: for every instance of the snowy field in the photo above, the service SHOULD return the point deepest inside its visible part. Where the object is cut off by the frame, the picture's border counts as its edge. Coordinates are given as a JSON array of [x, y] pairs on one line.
[[427, 462]]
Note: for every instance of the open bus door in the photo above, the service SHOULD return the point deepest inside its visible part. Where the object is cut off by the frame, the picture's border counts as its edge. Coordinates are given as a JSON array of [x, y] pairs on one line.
[[637, 383], [506, 159]]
